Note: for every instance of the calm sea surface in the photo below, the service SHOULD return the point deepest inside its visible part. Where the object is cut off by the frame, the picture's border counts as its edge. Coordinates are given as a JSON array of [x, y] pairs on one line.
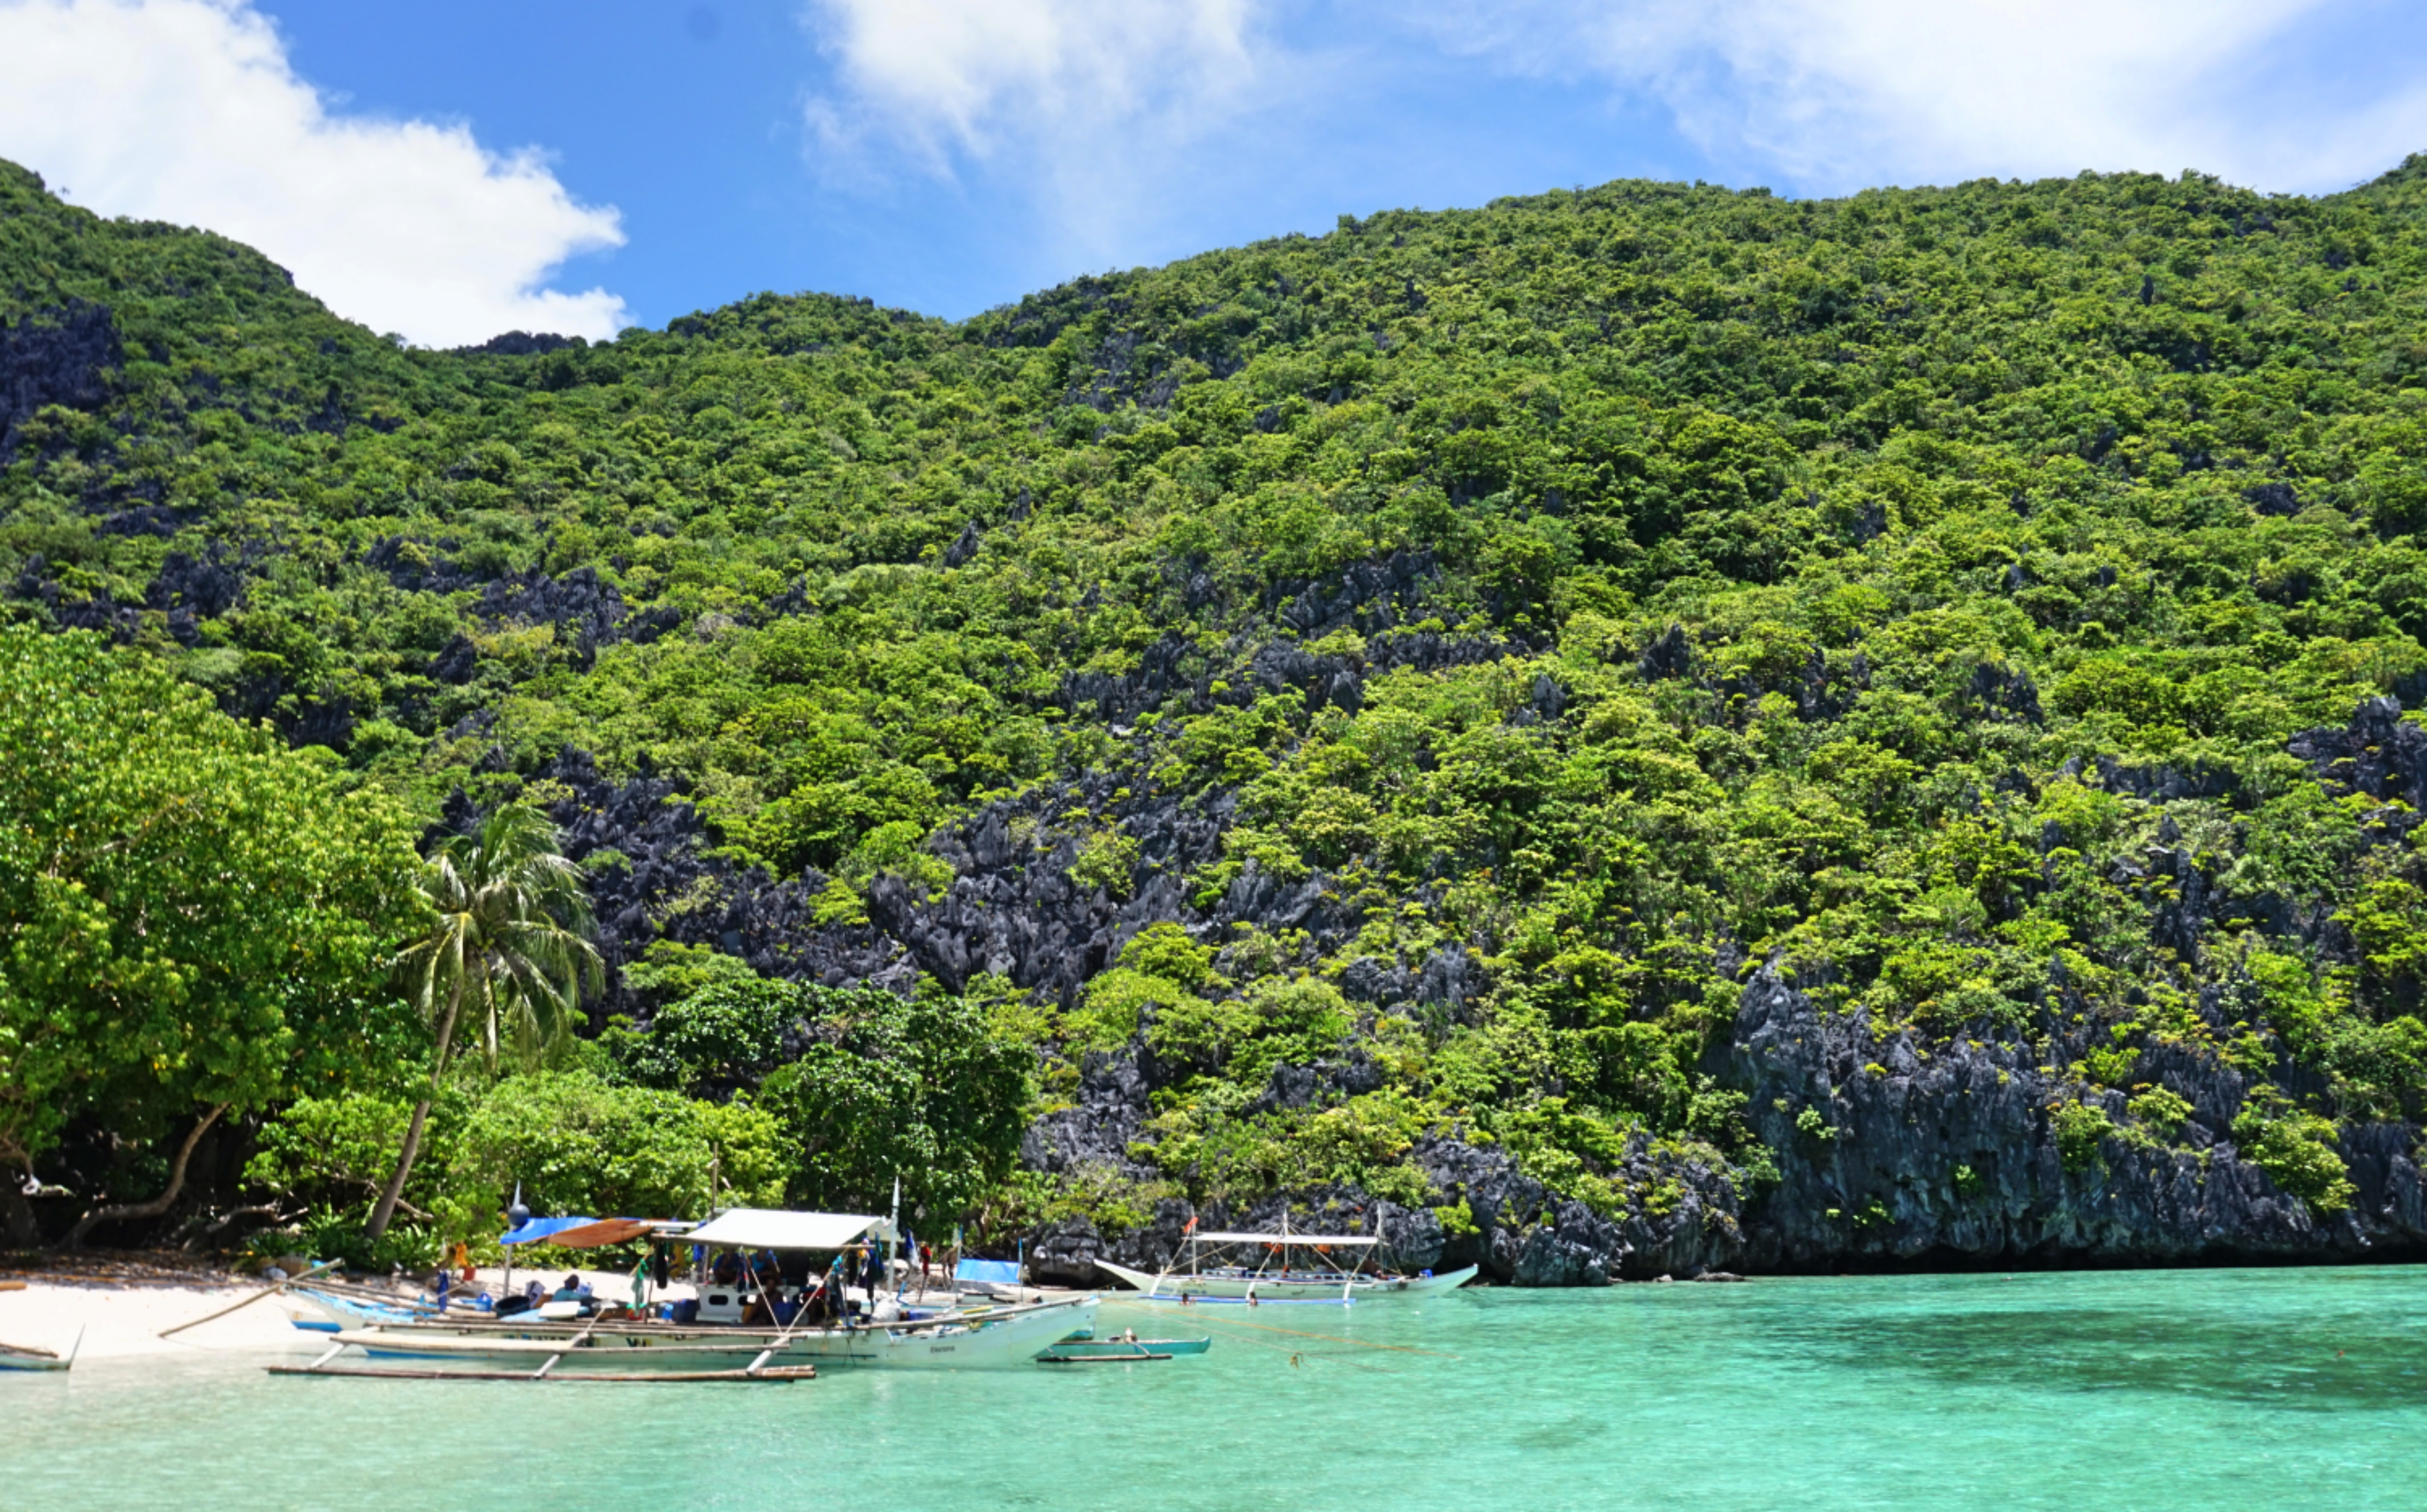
[[2241, 1389]]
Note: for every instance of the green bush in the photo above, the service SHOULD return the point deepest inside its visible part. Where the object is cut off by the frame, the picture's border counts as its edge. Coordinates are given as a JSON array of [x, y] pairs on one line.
[[2080, 1128], [2297, 1152], [1118, 1002], [1105, 860], [576, 1143], [2163, 1110]]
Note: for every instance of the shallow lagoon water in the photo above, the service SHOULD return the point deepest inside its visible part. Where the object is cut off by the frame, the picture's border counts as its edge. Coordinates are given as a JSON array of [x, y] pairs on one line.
[[2251, 1390]]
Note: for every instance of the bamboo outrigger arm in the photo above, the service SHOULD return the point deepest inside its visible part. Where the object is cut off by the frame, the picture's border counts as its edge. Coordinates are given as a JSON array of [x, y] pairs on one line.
[[267, 1291]]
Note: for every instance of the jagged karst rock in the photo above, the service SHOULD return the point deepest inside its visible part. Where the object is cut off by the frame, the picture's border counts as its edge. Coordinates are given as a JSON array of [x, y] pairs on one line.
[[53, 357], [2377, 753], [1063, 1253], [1945, 1153]]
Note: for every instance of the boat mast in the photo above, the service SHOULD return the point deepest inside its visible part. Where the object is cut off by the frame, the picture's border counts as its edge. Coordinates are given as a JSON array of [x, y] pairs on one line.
[[894, 1226]]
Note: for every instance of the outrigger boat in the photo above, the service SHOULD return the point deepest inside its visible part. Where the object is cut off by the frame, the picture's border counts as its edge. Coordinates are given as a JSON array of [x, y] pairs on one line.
[[1085, 1349], [20, 1358], [321, 1307], [713, 1342], [1283, 1267]]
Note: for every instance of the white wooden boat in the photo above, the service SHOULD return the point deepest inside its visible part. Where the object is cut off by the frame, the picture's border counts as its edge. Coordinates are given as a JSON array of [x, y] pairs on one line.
[[1283, 1268], [999, 1336], [20, 1358], [717, 1344], [317, 1310]]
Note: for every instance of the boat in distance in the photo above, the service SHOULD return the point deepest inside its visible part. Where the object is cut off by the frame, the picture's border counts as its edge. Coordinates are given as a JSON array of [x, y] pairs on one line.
[[1086, 1349], [1280, 1267]]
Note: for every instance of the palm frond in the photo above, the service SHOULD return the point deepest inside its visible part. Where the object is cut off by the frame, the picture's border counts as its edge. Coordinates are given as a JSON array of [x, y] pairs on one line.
[[512, 935]]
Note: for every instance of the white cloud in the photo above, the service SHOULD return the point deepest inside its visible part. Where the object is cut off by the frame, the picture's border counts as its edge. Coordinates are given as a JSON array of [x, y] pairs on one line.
[[1097, 104], [1088, 103], [187, 110], [970, 74], [1854, 92]]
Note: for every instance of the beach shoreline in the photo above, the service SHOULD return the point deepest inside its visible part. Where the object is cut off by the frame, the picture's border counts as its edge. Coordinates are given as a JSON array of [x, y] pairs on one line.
[[119, 1319], [120, 1308]]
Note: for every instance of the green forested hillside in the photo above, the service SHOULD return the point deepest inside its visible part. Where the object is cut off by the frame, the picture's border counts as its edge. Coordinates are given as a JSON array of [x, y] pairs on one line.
[[1424, 672]]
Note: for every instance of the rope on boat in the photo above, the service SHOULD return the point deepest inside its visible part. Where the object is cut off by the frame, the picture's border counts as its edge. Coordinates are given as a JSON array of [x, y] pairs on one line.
[[1201, 1321]]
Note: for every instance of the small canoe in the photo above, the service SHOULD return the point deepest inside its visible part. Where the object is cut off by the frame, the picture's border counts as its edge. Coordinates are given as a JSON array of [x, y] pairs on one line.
[[1234, 1286], [19, 1357], [1072, 1350]]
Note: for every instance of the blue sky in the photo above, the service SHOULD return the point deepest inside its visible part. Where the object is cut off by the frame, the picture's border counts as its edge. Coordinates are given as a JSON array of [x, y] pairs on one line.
[[444, 169], [692, 120]]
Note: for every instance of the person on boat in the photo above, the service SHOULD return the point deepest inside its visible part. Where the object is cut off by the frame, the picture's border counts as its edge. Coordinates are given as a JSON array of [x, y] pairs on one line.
[[574, 1290], [837, 1288], [521, 1302]]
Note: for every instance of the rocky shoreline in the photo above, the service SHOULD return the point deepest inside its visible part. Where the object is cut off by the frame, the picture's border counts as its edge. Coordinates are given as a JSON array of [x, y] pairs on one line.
[[1933, 1158]]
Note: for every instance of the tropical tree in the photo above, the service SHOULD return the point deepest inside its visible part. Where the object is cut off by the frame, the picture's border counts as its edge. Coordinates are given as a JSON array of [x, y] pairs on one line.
[[868, 1086], [193, 919], [508, 955]]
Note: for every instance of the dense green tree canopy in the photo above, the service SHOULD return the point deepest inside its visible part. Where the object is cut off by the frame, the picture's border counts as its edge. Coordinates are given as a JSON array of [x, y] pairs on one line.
[[1616, 590], [866, 1086], [194, 915]]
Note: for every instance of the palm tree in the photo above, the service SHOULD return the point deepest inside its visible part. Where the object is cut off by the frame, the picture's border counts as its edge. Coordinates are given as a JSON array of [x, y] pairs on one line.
[[512, 943]]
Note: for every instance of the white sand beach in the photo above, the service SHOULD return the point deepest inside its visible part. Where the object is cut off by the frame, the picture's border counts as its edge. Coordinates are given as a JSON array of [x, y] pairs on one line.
[[120, 1318]]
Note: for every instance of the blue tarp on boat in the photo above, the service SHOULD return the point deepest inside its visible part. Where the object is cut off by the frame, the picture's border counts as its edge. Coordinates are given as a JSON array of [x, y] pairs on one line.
[[541, 1228], [1003, 1273]]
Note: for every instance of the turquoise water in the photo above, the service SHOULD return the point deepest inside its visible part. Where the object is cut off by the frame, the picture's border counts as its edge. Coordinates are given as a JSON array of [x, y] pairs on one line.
[[2242, 1389]]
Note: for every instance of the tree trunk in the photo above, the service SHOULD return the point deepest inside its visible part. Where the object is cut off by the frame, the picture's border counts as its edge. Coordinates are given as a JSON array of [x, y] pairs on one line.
[[23, 1232], [394, 1191], [383, 1211], [157, 1205]]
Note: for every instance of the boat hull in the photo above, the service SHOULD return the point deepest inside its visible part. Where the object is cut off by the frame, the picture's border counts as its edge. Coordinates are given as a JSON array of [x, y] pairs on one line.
[[1124, 1348], [15, 1358], [321, 1313], [1176, 1287], [1007, 1339]]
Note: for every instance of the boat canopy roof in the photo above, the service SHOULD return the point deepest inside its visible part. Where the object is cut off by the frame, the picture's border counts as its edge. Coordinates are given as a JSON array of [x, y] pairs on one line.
[[777, 1228], [589, 1233], [534, 1230], [1285, 1239]]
